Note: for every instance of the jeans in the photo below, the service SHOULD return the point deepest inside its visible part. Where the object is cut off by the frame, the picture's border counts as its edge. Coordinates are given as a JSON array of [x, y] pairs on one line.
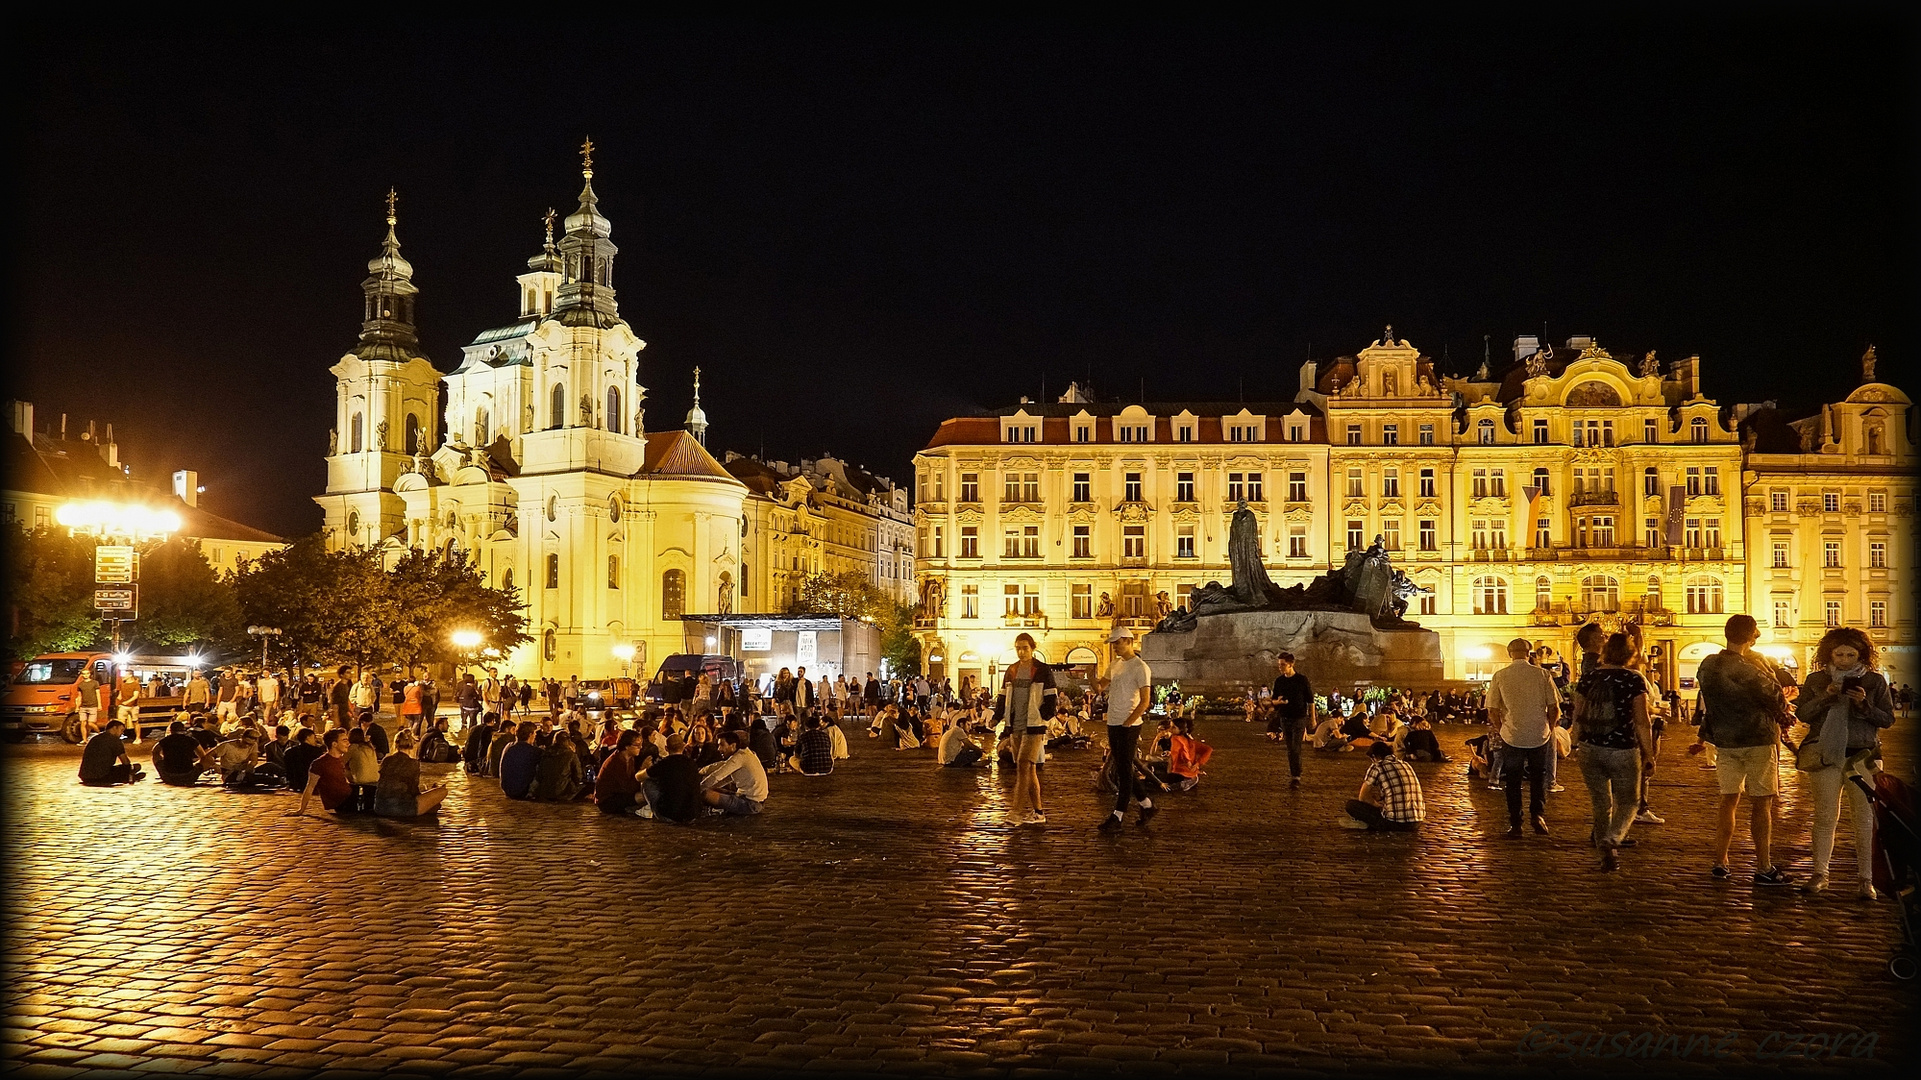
[[1121, 744], [1614, 784], [1829, 786], [1371, 814], [1532, 761], [1293, 730]]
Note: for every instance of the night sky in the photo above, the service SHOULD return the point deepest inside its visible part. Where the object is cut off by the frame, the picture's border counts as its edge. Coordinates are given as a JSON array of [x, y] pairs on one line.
[[857, 232]]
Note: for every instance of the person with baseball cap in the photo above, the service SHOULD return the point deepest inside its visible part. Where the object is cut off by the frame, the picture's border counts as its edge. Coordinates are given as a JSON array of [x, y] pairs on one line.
[[1130, 693]]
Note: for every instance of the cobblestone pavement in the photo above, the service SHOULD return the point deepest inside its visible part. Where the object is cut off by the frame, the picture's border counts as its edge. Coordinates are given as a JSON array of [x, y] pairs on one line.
[[877, 920]]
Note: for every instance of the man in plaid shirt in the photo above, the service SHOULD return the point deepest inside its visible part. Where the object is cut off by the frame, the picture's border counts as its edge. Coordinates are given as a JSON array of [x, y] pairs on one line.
[[1390, 795]]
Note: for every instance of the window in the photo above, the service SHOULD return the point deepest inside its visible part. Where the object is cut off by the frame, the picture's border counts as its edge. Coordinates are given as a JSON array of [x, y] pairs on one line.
[[1083, 487], [1780, 555], [1601, 592], [1133, 434], [1083, 542], [1781, 614], [1831, 553], [1655, 538], [1427, 483], [1429, 535], [553, 571], [1391, 484], [1083, 433], [1011, 546], [1297, 543], [1651, 431], [1693, 481], [1544, 533], [1543, 593], [1601, 528], [1356, 535], [1540, 431], [1184, 596], [1497, 534], [673, 587], [1711, 532], [1490, 596], [1691, 533], [613, 409], [1134, 599], [970, 601], [940, 484], [1486, 428], [1030, 541], [1834, 614], [1184, 487], [358, 440], [970, 539], [1010, 600], [1478, 530], [1427, 600], [1778, 501], [1081, 601], [1297, 487], [412, 430], [548, 643], [1877, 502], [1353, 434], [1704, 595], [1184, 541], [1650, 481], [1131, 483], [1497, 483], [1134, 541], [557, 406], [970, 487], [1711, 480], [1877, 613], [1254, 492], [1355, 483], [1699, 428], [353, 520], [1391, 435], [1877, 555], [1391, 534], [613, 571], [1427, 439], [1480, 483], [1023, 488]]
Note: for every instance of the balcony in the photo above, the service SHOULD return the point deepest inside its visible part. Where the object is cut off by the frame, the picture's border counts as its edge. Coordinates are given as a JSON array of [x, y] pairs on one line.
[[926, 622], [1594, 498], [1016, 621], [1139, 622]]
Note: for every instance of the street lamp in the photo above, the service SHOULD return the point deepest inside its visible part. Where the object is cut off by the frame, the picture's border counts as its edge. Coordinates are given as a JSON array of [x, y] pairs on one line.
[[263, 633], [115, 528], [466, 641], [625, 654]]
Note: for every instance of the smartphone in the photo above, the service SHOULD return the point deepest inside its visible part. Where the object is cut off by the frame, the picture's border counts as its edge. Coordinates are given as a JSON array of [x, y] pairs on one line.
[[1849, 682]]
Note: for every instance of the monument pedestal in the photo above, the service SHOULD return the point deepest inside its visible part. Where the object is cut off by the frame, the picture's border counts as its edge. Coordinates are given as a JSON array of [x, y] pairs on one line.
[[1232, 651]]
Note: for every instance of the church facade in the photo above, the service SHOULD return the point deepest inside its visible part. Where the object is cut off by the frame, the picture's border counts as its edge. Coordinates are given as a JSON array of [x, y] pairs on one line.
[[541, 468]]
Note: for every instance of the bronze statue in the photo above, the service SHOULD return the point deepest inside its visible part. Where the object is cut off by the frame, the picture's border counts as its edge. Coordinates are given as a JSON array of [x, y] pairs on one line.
[[1366, 583]]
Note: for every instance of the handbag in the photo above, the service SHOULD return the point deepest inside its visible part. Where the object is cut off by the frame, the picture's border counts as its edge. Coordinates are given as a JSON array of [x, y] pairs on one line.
[[1807, 756]]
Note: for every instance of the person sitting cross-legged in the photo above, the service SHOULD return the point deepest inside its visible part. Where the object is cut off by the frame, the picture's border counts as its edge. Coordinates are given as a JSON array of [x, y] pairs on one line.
[[104, 762], [559, 777], [363, 770], [178, 757], [399, 794], [1390, 795], [327, 774], [741, 768], [519, 763], [671, 785], [1185, 756], [1419, 744], [957, 749], [617, 782], [1328, 734], [813, 748]]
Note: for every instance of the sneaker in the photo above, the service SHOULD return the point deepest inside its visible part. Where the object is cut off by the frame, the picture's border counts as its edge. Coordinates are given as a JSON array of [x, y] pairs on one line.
[[1816, 883], [1013, 821], [1293, 782], [1514, 831], [1647, 817], [1627, 843], [1352, 823], [1540, 826], [1556, 789], [1722, 873], [1774, 875], [1147, 813], [1109, 824], [644, 812], [1609, 860], [1866, 891], [1036, 817]]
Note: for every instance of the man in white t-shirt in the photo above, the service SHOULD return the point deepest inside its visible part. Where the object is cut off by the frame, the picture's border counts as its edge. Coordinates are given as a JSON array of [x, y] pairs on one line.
[[267, 693], [1524, 703], [1130, 693]]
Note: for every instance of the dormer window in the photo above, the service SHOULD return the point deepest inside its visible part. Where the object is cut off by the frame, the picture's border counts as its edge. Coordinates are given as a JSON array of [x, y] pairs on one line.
[[1185, 433], [1016, 433], [1296, 431], [1486, 429], [1083, 433]]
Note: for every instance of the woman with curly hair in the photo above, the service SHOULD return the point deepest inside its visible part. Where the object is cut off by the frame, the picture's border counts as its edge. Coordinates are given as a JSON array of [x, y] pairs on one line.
[[1845, 703]]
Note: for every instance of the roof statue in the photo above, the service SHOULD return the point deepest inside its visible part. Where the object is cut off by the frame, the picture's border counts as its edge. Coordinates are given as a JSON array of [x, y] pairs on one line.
[[1649, 365], [1867, 365], [1537, 362], [1366, 584]]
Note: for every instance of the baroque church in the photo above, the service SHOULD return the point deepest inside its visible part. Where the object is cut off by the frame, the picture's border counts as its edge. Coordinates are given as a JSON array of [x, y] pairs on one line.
[[542, 470]]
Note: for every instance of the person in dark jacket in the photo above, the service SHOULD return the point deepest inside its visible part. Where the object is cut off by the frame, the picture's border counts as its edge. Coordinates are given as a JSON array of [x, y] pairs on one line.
[[558, 777], [519, 763]]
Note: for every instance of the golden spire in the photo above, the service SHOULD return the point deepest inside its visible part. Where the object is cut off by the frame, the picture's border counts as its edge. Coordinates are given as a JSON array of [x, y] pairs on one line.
[[587, 158], [548, 218], [393, 199]]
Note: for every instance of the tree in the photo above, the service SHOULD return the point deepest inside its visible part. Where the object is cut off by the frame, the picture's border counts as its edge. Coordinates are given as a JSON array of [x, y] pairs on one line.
[[49, 592], [330, 606], [898, 646], [847, 594], [438, 594], [183, 602]]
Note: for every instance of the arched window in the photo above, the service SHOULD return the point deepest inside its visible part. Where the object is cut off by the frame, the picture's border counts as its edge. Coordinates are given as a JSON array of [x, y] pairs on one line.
[[613, 409], [1699, 426], [358, 440], [547, 642], [507, 580], [1541, 481], [613, 571], [1651, 481], [673, 587], [557, 407], [1705, 595], [412, 430], [1601, 592], [1543, 593], [553, 571], [1490, 596], [483, 427], [1486, 428]]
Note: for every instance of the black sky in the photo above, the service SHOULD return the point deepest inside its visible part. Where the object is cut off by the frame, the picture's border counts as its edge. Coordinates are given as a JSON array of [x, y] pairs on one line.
[[857, 232]]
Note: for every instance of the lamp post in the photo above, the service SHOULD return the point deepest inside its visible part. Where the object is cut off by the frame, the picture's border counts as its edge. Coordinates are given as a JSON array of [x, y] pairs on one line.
[[466, 641], [116, 528], [625, 654], [263, 633]]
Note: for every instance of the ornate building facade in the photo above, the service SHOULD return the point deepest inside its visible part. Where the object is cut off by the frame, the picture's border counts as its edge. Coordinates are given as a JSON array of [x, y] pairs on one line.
[[542, 470], [824, 517], [1568, 486]]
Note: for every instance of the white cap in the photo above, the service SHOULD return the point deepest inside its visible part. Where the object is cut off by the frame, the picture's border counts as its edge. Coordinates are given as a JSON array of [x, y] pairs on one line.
[[1121, 633]]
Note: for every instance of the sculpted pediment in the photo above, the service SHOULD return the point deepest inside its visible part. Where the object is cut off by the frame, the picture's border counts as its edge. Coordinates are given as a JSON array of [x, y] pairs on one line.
[[1299, 512], [1133, 513], [1488, 505], [1428, 509], [1022, 512]]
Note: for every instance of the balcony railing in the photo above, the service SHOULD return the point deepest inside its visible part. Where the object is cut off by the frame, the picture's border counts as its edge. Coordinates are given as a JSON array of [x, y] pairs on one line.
[[1594, 498], [1014, 620]]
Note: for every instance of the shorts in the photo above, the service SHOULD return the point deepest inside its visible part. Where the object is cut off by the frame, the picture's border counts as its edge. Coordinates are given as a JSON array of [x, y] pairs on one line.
[[1752, 767], [1031, 749]]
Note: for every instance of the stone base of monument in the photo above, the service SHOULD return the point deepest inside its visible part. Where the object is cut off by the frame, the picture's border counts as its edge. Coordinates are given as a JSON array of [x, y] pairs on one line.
[[1233, 651]]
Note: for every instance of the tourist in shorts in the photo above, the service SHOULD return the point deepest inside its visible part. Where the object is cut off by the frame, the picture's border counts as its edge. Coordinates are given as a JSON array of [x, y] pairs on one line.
[[1741, 710]]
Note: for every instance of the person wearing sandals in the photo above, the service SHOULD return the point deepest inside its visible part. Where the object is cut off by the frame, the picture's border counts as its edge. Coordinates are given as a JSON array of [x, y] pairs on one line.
[[1845, 702], [1611, 729]]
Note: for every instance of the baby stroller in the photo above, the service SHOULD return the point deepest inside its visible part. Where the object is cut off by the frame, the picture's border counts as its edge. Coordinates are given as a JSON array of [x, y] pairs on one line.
[[1899, 862]]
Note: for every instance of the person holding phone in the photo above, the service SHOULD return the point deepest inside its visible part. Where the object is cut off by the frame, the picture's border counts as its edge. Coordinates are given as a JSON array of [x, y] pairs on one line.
[[1846, 703]]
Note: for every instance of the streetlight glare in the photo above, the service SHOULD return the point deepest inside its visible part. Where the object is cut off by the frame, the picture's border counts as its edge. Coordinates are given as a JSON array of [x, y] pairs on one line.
[[466, 639], [623, 653], [115, 519]]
